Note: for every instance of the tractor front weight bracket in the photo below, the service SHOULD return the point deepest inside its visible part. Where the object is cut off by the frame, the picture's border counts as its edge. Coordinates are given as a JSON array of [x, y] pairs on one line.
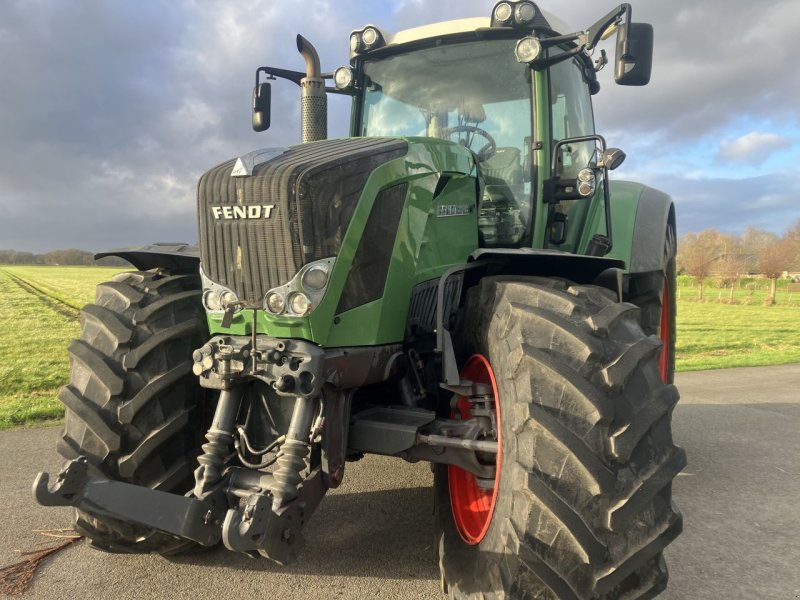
[[254, 528], [181, 516]]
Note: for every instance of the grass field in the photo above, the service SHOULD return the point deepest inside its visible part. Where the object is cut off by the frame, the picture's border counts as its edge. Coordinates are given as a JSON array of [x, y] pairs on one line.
[[39, 314]]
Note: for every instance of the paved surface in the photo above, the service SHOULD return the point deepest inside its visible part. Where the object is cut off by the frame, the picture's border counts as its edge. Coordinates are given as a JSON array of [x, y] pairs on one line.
[[371, 538]]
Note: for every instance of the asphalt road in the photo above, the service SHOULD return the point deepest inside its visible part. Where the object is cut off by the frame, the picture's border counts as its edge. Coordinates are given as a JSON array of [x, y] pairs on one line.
[[371, 538]]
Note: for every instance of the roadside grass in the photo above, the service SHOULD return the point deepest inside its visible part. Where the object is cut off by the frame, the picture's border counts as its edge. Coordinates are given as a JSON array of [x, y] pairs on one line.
[[714, 333], [34, 339], [734, 327], [718, 336]]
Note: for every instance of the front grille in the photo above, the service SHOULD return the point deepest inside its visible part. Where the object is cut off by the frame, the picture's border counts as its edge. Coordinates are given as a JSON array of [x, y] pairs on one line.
[[314, 189]]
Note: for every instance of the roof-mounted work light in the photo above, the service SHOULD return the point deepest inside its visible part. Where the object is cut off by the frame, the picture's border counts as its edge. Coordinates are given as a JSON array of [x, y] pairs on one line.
[[510, 13], [368, 38]]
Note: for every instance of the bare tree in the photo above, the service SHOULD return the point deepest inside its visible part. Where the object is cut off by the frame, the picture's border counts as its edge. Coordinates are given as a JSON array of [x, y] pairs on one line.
[[773, 260], [792, 238], [698, 253], [752, 242]]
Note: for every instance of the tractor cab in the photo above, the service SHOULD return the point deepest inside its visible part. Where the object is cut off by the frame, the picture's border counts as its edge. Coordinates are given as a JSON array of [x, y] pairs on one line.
[[515, 88], [474, 93]]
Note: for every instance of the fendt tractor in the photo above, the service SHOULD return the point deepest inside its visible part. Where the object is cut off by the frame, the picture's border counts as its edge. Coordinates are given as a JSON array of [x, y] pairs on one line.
[[457, 282]]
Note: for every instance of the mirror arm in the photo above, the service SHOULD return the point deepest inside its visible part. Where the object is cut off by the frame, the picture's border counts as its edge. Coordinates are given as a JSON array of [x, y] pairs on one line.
[[272, 73], [596, 31], [606, 193]]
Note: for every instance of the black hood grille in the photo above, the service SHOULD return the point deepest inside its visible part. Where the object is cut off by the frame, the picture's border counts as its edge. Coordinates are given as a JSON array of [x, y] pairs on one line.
[[312, 189]]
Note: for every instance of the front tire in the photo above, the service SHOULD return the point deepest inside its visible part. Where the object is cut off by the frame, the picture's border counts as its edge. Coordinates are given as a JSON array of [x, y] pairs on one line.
[[584, 502], [132, 403]]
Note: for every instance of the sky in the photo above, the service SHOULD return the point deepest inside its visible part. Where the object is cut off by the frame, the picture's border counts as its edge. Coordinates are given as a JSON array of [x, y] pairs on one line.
[[110, 111]]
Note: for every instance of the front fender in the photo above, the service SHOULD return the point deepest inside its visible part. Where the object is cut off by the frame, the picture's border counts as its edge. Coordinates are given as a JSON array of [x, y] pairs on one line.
[[640, 215], [170, 256]]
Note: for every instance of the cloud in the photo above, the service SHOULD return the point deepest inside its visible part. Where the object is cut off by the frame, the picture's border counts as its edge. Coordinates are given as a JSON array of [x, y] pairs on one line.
[[766, 202], [112, 110], [754, 146]]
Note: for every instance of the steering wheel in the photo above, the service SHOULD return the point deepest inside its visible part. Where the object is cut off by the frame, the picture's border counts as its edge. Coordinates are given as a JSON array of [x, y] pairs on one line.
[[488, 149]]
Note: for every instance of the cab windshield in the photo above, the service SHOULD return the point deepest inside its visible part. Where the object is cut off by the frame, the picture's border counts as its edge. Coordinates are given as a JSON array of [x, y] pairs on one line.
[[475, 94]]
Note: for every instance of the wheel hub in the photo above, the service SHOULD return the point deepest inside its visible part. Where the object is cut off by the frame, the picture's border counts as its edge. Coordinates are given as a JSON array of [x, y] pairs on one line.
[[472, 499]]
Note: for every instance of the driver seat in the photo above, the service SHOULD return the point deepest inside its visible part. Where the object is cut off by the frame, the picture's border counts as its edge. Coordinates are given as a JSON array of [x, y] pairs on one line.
[[504, 165]]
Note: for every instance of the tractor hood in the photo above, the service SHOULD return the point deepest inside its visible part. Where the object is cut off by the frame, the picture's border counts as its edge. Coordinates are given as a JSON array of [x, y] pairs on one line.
[[265, 215]]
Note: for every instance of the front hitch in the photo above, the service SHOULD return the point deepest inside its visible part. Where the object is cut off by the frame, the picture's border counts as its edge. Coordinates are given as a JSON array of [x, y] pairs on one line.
[[255, 528], [274, 534], [181, 516]]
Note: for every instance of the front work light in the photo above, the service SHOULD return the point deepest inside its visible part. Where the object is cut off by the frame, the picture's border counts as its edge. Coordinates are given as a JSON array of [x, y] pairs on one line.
[[514, 13], [528, 49], [369, 37], [503, 13], [343, 78], [524, 13], [365, 39]]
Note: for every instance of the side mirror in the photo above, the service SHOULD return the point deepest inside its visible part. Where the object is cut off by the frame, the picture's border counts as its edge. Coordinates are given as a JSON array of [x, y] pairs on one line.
[[262, 102], [634, 58]]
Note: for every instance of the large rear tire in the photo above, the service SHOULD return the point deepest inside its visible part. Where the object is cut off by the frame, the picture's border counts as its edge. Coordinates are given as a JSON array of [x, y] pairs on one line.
[[583, 507], [132, 403], [654, 294]]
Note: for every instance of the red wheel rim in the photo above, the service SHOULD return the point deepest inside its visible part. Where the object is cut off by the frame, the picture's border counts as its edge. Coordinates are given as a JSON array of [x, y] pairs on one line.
[[665, 332], [473, 505]]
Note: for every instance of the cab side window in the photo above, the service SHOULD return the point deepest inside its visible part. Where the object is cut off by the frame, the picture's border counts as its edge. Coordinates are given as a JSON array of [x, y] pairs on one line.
[[571, 110]]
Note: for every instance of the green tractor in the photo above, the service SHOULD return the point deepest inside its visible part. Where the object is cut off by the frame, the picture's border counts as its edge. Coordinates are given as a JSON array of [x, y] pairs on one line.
[[457, 282]]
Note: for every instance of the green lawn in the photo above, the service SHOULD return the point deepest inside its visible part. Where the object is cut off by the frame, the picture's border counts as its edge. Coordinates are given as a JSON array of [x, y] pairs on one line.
[[716, 336], [714, 333], [34, 338], [735, 327]]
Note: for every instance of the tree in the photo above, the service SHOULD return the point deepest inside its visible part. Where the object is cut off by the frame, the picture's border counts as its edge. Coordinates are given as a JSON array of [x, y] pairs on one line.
[[699, 252], [752, 242], [793, 240], [773, 260]]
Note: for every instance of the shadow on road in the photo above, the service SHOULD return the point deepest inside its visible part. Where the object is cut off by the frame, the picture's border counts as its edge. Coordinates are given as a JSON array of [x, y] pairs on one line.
[[387, 533]]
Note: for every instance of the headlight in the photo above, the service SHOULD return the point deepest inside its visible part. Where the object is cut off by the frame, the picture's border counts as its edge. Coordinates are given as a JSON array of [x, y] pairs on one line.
[[299, 304], [586, 182], [228, 298], [343, 78], [528, 49], [212, 300], [274, 303], [315, 278], [303, 293], [217, 297]]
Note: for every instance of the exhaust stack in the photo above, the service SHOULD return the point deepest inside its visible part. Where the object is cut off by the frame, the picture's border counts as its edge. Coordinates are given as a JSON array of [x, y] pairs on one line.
[[313, 99]]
